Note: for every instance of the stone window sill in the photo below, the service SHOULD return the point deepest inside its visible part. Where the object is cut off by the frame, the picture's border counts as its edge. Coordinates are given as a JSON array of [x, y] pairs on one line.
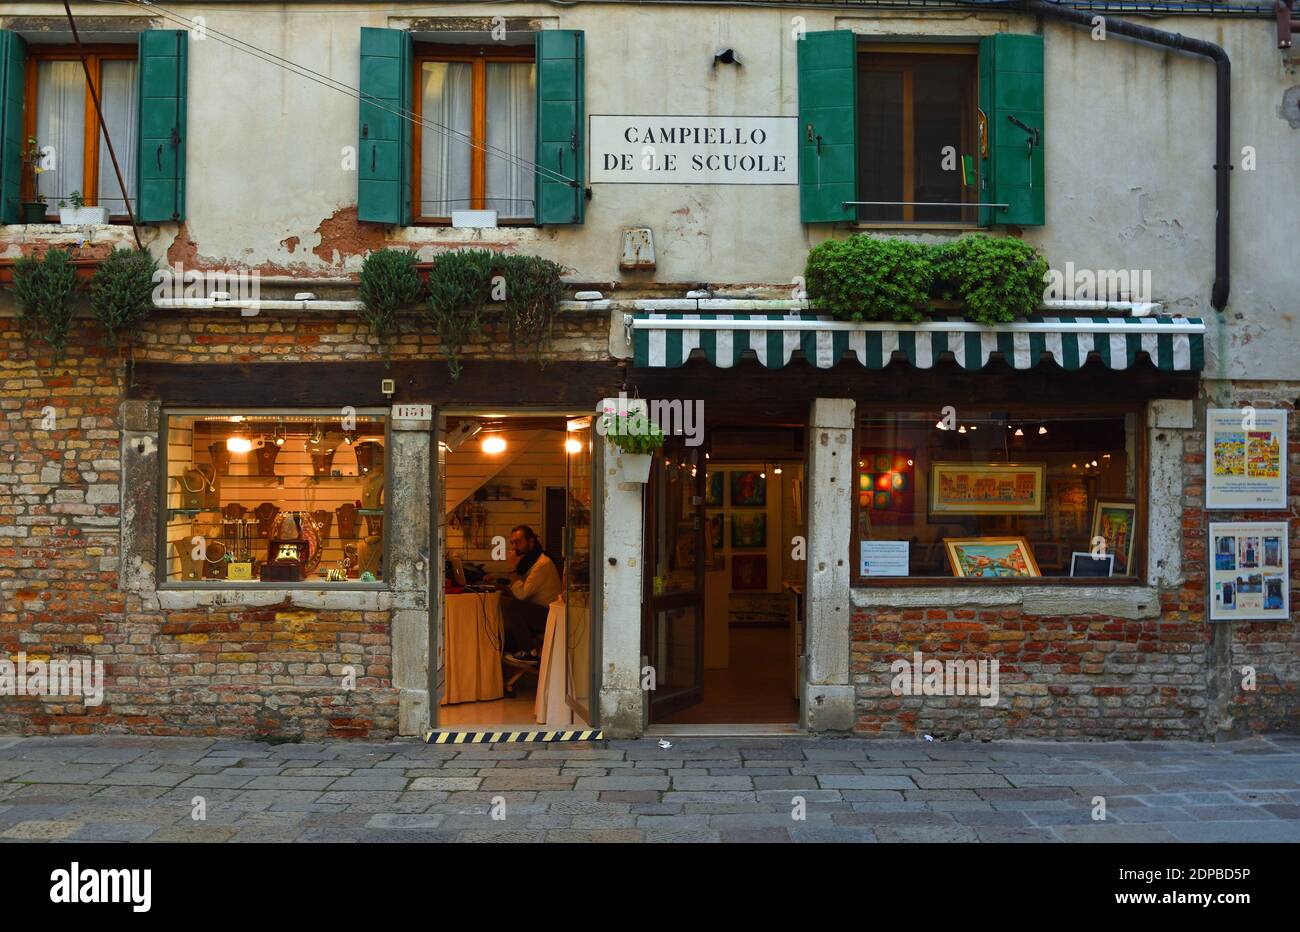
[[376, 597], [1132, 601]]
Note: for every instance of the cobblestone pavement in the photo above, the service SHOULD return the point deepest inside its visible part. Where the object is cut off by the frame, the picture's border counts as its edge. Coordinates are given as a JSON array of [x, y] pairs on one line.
[[106, 788]]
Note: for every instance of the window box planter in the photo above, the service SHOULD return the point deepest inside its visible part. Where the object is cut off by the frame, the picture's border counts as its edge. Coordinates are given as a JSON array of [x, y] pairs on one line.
[[80, 216], [34, 212]]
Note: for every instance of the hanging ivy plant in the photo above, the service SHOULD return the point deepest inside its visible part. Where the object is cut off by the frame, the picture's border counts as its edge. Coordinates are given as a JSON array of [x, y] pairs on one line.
[[533, 291], [997, 279], [44, 289], [121, 293], [390, 282], [459, 286]]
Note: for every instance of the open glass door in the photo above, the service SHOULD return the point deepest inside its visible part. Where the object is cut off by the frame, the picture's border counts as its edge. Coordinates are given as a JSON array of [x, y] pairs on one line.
[[579, 567], [673, 626]]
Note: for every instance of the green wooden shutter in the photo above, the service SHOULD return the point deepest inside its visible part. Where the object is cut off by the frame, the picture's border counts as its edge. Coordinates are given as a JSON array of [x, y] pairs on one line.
[[386, 119], [828, 126], [561, 150], [13, 71], [1011, 94], [160, 161]]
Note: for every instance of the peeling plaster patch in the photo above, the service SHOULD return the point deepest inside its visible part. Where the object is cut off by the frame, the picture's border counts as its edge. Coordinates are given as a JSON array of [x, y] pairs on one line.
[[290, 243], [342, 235], [1290, 108], [183, 249]]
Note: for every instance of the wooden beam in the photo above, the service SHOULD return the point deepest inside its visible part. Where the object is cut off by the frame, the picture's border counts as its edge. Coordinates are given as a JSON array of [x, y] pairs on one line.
[[513, 383]]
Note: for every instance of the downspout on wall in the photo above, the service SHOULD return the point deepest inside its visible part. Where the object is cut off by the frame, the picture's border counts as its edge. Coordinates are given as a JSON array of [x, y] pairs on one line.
[[1222, 114]]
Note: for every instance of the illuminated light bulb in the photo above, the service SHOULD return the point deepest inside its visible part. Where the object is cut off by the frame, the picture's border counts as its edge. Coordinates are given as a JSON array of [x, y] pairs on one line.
[[1094, 462], [962, 429], [1105, 456], [762, 475], [939, 424], [279, 441], [573, 446], [973, 427], [1042, 429], [494, 444], [1018, 433], [909, 462], [1074, 465], [238, 444], [777, 470]]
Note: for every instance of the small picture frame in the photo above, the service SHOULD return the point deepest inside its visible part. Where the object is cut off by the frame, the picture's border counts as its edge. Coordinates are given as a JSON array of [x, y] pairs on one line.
[[1115, 522], [1083, 563]]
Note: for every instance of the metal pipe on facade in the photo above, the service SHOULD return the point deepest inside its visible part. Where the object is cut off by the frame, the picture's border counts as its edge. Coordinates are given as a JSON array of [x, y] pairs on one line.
[[1222, 113]]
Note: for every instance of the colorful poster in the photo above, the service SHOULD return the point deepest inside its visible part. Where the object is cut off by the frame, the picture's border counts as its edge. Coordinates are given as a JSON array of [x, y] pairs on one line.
[[1245, 458], [1249, 579]]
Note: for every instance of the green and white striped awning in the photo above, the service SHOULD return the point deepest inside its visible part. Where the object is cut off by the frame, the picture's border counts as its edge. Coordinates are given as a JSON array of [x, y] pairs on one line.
[[667, 340]]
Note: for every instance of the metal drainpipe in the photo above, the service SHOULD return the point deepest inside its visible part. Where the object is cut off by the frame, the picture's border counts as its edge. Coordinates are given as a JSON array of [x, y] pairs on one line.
[[1222, 108]]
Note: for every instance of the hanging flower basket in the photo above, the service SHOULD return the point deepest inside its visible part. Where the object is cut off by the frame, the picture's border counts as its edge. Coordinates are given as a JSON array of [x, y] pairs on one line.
[[637, 438], [636, 467]]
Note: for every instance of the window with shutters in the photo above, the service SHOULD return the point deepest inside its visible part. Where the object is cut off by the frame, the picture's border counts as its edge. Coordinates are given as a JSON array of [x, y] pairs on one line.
[[60, 115], [917, 134], [475, 111]]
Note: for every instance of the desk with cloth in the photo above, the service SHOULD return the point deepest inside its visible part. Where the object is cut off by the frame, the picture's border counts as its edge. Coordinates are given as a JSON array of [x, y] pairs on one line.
[[473, 630]]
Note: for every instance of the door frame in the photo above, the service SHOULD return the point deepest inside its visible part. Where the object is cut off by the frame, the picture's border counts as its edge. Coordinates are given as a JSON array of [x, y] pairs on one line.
[[437, 527]]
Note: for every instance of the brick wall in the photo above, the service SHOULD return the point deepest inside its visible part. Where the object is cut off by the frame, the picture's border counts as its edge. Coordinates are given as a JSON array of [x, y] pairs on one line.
[[1097, 676], [268, 669]]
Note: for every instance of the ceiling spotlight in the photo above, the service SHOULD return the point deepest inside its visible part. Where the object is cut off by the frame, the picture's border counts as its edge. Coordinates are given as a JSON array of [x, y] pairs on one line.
[[1019, 433], [962, 429], [493, 444], [1042, 429], [777, 469], [939, 424]]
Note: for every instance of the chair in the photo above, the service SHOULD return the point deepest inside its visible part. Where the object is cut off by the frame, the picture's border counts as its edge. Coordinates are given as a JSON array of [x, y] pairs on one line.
[[514, 674]]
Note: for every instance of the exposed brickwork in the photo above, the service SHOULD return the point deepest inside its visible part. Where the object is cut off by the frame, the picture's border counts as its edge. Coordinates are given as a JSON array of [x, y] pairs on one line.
[[1096, 676], [273, 669]]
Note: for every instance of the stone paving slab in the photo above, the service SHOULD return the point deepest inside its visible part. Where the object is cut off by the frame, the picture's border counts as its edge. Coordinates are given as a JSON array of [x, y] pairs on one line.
[[88, 788]]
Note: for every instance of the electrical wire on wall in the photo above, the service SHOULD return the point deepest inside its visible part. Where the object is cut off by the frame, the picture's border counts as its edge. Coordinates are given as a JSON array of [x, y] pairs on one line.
[[334, 84]]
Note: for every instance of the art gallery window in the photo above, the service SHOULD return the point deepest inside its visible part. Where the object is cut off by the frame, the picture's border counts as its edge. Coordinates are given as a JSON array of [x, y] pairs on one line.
[[273, 497], [999, 495]]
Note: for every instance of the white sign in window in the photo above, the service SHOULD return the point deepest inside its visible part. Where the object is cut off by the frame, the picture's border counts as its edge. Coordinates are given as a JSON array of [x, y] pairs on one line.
[[883, 558]]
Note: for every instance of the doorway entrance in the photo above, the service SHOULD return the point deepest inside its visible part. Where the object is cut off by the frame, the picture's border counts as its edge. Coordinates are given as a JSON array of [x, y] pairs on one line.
[[514, 630], [723, 621]]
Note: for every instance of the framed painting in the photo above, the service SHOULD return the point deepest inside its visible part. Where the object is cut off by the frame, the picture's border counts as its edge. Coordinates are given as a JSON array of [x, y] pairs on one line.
[[990, 557], [748, 488], [713, 490], [748, 531], [1048, 554], [987, 488], [1116, 522], [749, 571], [886, 484]]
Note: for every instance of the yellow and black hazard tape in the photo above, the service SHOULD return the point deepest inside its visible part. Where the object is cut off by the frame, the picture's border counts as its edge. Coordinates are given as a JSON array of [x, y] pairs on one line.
[[513, 737]]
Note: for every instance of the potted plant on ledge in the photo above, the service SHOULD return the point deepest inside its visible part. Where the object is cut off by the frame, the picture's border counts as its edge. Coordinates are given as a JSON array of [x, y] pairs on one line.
[[79, 214], [637, 438], [34, 210]]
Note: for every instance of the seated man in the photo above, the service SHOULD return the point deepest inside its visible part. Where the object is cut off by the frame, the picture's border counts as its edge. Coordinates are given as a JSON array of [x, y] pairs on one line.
[[525, 600]]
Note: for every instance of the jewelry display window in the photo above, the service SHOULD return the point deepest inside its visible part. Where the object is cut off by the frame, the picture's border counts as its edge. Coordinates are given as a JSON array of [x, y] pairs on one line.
[[255, 497]]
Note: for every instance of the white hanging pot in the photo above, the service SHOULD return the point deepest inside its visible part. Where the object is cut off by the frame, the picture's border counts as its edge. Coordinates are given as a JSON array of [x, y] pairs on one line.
[[636, 466]]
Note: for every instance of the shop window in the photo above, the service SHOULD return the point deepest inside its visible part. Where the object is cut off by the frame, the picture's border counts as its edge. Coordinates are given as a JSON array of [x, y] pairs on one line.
[[998, 496], [917, 135], [477, 111], [61, 118], [268, 498]]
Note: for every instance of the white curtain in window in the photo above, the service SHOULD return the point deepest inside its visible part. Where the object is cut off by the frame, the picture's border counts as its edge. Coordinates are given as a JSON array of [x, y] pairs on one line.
[[445, 150], [61, 123], [511, 128], [117, 99]]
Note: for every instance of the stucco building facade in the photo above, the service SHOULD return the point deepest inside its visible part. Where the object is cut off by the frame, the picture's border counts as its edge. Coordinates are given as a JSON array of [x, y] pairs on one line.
[[302, 138]]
